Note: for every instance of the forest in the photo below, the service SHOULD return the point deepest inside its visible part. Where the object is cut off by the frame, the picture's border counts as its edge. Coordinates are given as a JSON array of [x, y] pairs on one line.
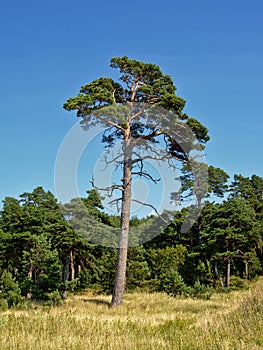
[[44, 254]]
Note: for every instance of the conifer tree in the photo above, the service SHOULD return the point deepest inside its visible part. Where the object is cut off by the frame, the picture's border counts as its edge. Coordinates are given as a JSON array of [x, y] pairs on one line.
[[140, 110]]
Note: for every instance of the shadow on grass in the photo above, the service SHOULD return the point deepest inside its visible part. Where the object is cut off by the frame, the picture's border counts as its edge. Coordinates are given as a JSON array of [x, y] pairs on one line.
[[97, 301]]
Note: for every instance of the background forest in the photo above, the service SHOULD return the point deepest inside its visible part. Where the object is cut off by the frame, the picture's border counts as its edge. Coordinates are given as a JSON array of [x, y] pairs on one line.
[[42, 257]]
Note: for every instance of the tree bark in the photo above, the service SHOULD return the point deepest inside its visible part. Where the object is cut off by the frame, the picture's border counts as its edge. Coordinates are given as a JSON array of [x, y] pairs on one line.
[[120, 277], [72, 267], [66, 276], [218, 276], [246, 269], [199, 219], [199, 228], [228, 270], [30, 275]]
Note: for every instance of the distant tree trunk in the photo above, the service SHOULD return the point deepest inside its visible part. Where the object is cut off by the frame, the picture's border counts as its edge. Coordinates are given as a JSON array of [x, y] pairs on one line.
[[246, 269], [30, 276], [228, 271], [191, 238], [120, 277], [218, 276], [199, 227], [72, 267], [79, 272], [199, 219], [66, 276]]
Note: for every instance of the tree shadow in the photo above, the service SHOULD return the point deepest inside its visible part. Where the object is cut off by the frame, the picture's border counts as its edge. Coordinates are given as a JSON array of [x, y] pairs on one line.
[[97, 301]]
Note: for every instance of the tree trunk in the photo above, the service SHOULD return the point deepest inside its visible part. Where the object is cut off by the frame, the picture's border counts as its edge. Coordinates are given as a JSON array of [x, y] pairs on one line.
[[218, 276], [65, 276], [246, 269], [79, 272], [199, 227], [120, 277], [191, 243], [30, 275], [199, 219], [72, 267], [228, 270]]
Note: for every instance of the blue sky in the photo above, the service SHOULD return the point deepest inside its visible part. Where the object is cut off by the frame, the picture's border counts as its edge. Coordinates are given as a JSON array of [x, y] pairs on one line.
[[212, 50]]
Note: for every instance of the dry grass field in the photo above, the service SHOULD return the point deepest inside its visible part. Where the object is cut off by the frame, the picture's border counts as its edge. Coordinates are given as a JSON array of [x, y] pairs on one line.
[[145, 321]]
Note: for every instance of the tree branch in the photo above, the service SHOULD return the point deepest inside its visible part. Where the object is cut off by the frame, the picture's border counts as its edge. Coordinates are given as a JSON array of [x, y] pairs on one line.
[[107, 121], [143, 173], [151, 206], [146, 175], [150, 136], [109, 189], [113, 160], [142, 158], [116, 201]]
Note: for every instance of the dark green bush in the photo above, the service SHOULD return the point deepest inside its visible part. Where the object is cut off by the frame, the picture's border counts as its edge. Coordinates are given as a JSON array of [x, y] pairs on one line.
[[3, 305], [173, 284], [54, 299], [10, 291], [201, 291]]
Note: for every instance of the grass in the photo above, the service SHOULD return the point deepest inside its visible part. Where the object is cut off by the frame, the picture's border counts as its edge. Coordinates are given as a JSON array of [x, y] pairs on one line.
[[145, 321]]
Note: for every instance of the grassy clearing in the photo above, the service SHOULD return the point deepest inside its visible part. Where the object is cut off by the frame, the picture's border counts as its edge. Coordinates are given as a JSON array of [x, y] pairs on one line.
[[146, 321]]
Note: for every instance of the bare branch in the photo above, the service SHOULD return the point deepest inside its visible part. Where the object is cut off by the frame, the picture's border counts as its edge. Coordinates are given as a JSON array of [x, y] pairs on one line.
[[107, 121], [143, 173], [142, 158], [146, 175], [151, 206], [113, 160], [116, 201], [109, 189]]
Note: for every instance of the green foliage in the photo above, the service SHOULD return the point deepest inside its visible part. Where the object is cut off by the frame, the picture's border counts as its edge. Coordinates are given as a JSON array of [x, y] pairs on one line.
[[143, 83], [107, 261], [3, 304], [161, 260], [238, 283], [70, 285], [137, 269], [201, 291], [9, 290], [173, 284], [217, 180], [36, 243], [54, 299], [201, 180]]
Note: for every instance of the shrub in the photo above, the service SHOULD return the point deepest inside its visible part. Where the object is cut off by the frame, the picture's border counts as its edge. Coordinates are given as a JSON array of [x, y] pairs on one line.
[[201, 291], [173, 284], [238, 283], [9, 290], [3, 304], [55, 299]]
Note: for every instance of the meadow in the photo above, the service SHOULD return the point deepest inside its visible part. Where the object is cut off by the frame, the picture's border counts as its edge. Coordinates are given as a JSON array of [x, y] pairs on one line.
[[145, 321]]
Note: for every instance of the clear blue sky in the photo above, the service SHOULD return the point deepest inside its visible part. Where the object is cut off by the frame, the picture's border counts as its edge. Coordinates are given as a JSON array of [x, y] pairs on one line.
[[213, 51]]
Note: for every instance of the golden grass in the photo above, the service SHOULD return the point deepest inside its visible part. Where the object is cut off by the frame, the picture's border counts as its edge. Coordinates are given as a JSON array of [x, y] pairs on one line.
[[145, 321]]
